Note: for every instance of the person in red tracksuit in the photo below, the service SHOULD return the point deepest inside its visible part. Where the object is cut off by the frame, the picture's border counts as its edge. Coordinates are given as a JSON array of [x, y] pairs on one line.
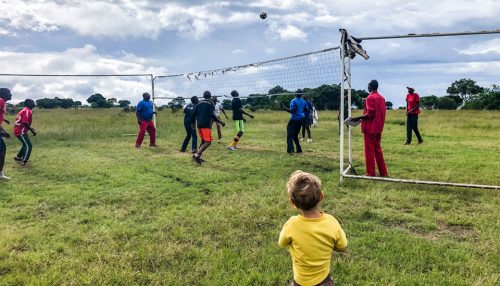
[[372, 125], [145, 113]]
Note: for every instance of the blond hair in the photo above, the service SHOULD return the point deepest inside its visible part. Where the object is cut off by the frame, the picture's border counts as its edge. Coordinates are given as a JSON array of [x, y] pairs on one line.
[[304, 190]]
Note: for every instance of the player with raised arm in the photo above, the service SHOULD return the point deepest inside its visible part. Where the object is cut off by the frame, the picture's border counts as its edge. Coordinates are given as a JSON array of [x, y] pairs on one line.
[[238, 113], [24, 120], [5, 96], [297, 109]]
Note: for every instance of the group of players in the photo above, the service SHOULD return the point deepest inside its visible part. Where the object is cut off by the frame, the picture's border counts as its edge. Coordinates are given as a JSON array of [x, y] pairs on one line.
[[21, 127], [202, 115]]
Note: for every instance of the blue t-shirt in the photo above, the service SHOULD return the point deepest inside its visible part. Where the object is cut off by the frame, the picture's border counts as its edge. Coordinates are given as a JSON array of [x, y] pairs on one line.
[[145, 109], [297, 106]]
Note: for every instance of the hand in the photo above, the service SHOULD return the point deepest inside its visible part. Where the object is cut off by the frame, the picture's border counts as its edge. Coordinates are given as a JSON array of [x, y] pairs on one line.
[[139, 122], [33, 131], [4, 133], [154, 112], [6, 121], [227, 118], [251, 116], [244, 120], [193, 126], [223, 124]]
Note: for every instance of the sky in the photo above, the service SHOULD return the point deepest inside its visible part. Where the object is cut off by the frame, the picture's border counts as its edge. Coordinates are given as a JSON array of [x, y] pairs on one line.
[[170, 37]]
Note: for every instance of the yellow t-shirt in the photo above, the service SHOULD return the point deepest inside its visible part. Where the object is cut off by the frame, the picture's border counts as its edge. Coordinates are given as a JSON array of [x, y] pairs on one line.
[[311, 242]]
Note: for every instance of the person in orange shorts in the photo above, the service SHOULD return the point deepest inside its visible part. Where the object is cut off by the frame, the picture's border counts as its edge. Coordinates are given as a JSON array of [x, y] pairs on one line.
[[203, 116]]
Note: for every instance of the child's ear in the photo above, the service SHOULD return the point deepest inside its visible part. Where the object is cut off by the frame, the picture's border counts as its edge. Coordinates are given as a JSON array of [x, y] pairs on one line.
[[321, 196], [291, 203]]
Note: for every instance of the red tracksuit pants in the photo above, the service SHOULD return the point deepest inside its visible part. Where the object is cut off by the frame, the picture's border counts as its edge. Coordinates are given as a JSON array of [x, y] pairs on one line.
[[143, 127], [373, 153]]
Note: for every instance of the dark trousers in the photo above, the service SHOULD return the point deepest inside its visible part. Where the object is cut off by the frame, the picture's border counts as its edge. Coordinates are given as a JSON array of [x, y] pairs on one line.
[[25, 152], [3, 151], [373, 153], [412, 125], [292, 135], [190, 135]]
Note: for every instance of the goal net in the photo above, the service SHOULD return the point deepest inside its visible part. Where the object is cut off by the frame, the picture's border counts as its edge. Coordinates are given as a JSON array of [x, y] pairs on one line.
[[424, 165]]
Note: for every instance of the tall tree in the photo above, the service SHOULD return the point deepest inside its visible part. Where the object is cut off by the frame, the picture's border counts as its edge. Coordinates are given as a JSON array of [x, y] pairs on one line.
[[465, 88]]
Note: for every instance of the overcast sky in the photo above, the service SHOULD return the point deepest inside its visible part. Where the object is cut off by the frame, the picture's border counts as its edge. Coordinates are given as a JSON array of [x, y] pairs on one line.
[[165, 37]]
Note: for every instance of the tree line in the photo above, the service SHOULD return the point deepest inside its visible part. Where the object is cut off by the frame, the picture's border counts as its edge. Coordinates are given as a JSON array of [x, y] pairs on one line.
[[463, 93]]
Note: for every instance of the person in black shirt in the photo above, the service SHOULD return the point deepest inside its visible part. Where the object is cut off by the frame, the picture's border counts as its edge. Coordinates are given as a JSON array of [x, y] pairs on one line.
[[203, 115], [238, 119], [190, 132]]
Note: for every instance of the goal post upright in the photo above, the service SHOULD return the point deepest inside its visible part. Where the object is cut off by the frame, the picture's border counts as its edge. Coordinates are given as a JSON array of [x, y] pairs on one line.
[[341, 117], [344, 173]]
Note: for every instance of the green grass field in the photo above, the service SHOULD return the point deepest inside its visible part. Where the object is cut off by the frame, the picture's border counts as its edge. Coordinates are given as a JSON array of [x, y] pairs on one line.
[[93, 210]]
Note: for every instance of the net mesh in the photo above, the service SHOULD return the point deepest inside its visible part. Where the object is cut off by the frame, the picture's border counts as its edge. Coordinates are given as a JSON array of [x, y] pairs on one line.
[[309, 70]]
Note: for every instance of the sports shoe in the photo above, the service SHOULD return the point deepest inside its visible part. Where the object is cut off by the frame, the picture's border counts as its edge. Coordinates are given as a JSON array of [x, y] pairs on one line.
[[309, 140], [301, 139], [197, 159], [17, 159], [218, 141], [194, 151], [3, 177], [232, 148], [420, 142], [24, 164]]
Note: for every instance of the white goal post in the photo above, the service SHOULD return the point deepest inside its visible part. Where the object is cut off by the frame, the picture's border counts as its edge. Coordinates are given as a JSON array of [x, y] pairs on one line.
[[345, 70]]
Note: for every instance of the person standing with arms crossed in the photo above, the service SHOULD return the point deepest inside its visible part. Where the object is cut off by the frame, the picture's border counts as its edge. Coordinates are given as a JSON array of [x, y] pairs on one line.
[[412, 112], [372, 125], [144, 113]]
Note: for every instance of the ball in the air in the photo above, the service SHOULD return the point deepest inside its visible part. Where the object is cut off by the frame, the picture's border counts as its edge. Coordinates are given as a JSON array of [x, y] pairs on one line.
[[263, 15]]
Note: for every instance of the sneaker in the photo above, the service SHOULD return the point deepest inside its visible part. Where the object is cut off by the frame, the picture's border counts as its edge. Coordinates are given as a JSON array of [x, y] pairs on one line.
[[309, 140], [420, 142], [3, 177], [197, 159], [218, 141], [231, 148], [194, 151], [17, 159], [24, 164], [138, 146], [301, 139], [407, 143], [289, 153], [154, 145], [237, 147]]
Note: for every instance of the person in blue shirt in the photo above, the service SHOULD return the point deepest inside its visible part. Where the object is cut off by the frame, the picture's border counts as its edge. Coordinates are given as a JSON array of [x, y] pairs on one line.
[[306, 125], [190, 132], [297, 110], [144, 112]]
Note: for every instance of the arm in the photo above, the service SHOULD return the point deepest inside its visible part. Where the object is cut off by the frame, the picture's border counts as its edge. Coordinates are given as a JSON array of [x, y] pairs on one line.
[[284, 239], [341, 243], [27, 125], [193, 117], [223, 111], [246, 113], [4, 133], [216, 119], [414, 108], [6, 121], [137, 110]]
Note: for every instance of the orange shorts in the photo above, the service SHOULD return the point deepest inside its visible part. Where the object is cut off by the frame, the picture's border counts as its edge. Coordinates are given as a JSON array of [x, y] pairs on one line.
[[205, 134]]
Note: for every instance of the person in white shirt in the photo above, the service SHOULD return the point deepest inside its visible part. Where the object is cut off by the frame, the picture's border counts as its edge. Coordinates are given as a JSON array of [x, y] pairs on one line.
[[218, 109]]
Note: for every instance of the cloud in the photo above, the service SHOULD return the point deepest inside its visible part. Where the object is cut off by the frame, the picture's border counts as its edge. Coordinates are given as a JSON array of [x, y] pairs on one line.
[[288, 32], [238, 51], [84, 60], [270, 51], [492, 46]]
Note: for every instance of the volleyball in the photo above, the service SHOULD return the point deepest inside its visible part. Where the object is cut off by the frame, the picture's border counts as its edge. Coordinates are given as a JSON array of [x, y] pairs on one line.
[[263, 15]]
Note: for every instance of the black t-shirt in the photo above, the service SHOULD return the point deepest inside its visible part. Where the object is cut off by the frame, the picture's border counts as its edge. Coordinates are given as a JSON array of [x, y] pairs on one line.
[[236, 106], [203, 113], [188, 112]]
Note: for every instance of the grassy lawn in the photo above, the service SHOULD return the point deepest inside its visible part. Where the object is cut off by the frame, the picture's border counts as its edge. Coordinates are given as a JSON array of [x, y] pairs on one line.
[[93, 210]]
